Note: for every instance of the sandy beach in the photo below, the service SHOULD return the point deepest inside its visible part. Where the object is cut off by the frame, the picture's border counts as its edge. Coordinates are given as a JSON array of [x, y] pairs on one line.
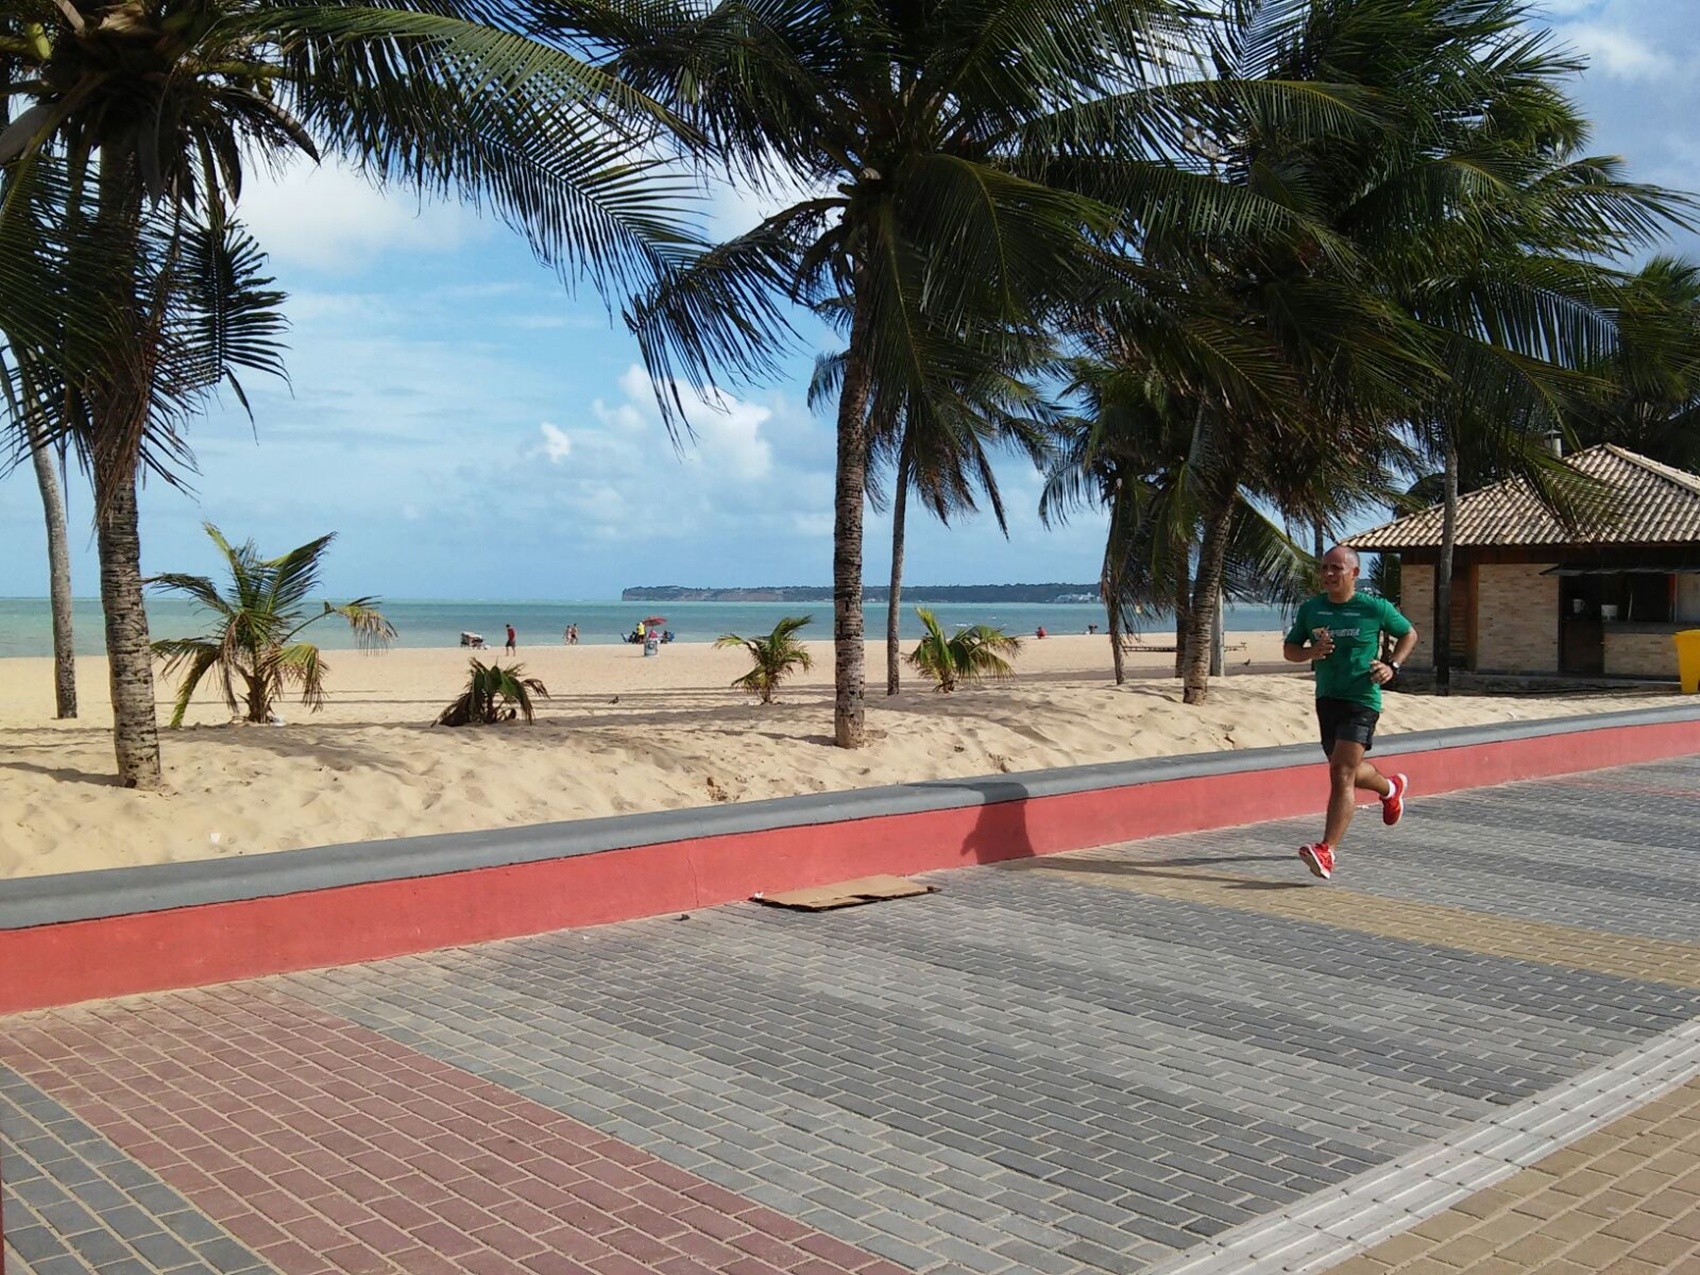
[[620, 733]]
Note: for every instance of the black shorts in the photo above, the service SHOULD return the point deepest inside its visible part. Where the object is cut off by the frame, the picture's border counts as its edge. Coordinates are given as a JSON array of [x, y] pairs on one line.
[[1345, 719]]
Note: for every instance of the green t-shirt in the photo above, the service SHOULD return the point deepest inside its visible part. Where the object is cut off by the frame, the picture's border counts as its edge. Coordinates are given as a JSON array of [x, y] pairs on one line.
[[1356, 626]]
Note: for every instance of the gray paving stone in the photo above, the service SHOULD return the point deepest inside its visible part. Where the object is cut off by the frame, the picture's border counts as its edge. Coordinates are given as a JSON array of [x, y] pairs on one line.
[[1026, 1071]]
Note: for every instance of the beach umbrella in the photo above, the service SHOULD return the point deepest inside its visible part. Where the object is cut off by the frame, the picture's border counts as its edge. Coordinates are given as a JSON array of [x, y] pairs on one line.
[[655, 619]]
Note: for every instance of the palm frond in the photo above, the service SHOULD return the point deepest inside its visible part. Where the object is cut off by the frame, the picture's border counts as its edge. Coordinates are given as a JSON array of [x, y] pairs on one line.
[[774, 657], [494, 694]]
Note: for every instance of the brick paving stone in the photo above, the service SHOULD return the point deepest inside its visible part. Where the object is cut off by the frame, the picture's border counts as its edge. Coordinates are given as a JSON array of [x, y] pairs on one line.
[[1101, 1058], [66, 1211], [265, 1041], [1603, 1228]]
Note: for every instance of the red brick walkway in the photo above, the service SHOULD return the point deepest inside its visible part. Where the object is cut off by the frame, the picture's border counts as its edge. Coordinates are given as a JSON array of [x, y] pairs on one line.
[[326, 1147]]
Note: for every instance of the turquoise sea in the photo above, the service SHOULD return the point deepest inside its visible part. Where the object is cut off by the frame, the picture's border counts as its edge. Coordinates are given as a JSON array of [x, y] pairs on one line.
[[26, 623]]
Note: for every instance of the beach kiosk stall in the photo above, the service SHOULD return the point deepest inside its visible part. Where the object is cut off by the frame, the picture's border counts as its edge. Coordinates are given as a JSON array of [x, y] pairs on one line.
[[1614, 597]]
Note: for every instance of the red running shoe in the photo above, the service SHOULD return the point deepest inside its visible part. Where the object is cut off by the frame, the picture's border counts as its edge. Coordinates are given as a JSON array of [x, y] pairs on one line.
[[1319, 858], [1393, 804]]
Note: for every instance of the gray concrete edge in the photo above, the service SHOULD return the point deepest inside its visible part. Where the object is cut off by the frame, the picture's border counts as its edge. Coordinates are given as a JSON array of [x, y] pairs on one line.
[[29, 902]]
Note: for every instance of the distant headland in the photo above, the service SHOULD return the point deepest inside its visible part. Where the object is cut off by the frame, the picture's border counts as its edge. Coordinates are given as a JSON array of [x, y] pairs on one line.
[[870, 593]]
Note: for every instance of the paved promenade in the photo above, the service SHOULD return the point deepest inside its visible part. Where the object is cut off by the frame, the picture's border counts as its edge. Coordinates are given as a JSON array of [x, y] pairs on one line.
[[1478, 1049]]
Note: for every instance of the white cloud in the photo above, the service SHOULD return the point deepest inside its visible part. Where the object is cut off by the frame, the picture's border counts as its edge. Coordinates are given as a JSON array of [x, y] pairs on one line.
[[1616, 52], [726, 437], [624, 417], [329, 217], [635, 384], [556, 445], [734, 210], [729, 440]]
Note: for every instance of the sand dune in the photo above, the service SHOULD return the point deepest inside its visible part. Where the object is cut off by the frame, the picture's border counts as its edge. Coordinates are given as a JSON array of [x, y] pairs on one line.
[[621, 733]]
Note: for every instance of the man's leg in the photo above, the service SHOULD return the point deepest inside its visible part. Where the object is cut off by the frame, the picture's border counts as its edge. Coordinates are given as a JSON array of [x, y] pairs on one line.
[[1348, 771], [1345, 765]]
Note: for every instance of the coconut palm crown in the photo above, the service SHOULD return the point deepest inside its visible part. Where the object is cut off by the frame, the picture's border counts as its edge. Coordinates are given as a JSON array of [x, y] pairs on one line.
[[254, 647]]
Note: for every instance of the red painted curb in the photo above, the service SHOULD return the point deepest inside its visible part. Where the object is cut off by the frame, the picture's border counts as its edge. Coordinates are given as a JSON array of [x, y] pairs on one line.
[[193, 946]]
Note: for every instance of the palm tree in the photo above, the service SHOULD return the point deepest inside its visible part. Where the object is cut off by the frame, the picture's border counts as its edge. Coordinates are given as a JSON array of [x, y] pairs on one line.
[[938, 445], [1129, 454], [1561, 335], [209, 313], [58, 576], [53, 324], [1398, 280], [1652, 400], [940, 215], [943, 456], [254, 648], [150, 109], [493, 695], [971, 654], [775, 656], [42, 457]]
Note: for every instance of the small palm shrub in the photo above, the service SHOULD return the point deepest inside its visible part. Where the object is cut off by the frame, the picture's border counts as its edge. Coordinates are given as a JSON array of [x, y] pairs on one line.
[[970, 655], [493, 694], [775, 656], [253, 646]]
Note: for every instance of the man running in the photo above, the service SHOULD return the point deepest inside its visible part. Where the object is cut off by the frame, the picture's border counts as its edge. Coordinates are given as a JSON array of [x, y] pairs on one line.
[[1339, 632]]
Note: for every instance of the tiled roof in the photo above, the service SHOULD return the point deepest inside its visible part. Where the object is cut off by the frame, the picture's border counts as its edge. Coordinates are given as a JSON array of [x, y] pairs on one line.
[[1657, 505]]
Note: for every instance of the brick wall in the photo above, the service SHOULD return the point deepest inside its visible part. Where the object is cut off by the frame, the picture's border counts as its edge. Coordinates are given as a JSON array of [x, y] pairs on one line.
[[1516, 619], [1639, 654], [1416, 600]]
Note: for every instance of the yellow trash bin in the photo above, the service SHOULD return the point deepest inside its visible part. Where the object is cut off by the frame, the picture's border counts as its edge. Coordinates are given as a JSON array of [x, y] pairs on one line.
[[1688, 659]]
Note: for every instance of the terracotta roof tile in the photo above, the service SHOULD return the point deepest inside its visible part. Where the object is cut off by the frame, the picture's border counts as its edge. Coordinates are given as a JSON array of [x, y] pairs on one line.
[[1658, 505]]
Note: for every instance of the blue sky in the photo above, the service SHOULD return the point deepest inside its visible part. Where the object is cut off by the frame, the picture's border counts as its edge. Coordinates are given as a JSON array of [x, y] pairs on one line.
[[471, 429]]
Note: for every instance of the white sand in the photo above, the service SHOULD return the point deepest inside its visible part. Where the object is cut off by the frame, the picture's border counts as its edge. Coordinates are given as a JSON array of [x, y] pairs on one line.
[[622, 733]]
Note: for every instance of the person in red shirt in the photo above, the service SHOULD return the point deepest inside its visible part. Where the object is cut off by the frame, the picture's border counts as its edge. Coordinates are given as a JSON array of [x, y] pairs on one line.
[[513, 644]]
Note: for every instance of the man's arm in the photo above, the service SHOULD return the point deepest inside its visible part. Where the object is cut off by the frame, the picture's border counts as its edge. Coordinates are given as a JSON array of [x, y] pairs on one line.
[[1319, 648], [1385, 672]]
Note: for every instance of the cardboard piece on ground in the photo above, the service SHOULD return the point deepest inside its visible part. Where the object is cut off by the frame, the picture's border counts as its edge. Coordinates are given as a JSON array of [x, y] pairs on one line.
[[845, 894]]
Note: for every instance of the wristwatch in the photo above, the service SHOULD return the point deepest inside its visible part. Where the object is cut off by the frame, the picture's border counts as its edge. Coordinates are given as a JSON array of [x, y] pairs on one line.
[[1393, 664]]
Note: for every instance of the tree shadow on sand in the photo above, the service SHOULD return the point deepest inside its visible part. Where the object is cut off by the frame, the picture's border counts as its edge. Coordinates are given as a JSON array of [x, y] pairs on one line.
[[306, 741], [64, 774]]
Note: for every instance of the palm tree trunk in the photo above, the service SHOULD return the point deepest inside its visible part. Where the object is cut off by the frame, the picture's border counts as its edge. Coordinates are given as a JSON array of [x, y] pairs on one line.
[[1217, 483], [58, 578], [849, 726], [1443, 576], [1201, 618], [899, 506], [1183, 615], [135, 730], [1110, 590], [1218, 637], [118, 410], [1110, 584], [1114, 625]]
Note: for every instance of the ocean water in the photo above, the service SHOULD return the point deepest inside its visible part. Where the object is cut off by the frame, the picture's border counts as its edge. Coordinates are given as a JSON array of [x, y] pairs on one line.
[[26, 624]]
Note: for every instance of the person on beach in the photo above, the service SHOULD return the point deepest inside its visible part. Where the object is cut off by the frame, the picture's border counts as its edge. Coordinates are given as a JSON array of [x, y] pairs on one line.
[[1339, 632], [513, 645]]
